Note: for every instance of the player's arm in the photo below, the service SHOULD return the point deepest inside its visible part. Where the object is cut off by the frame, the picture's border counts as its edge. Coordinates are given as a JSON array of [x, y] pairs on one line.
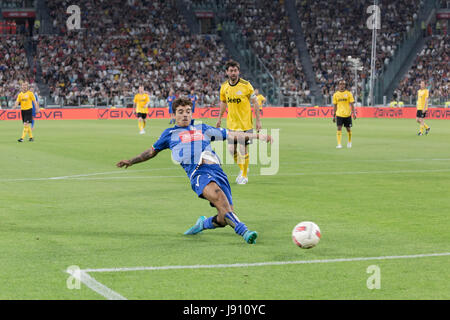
[[135, 105], [255, 106], [144, 156], [352, 105], [16, 104], [223, 107], [334, 112], [147, 105], [36, 103]]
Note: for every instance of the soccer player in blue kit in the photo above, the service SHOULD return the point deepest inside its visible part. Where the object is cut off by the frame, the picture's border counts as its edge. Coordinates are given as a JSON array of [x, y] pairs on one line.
[[190, 146]]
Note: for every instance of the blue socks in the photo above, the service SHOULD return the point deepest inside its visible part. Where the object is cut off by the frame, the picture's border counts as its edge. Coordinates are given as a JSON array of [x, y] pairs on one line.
[[208, 223], [239, 227]]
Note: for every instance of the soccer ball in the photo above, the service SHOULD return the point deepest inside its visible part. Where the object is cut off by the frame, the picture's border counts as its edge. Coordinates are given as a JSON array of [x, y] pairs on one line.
[[306, 235]]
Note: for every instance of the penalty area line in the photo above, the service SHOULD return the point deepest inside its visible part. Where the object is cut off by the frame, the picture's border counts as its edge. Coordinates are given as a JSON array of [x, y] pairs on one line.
[[263, 264], [83, 276], [96, 286]]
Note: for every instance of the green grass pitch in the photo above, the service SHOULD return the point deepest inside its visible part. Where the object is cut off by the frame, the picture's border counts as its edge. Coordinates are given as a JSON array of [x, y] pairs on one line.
[[64, 203]]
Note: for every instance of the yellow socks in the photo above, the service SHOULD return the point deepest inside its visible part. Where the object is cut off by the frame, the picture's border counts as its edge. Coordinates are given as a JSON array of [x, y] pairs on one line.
[[243, 162], [27, 131], [350, 137], [421, 129], [339, 137], [240, 159], [426, 127], [245, 167]]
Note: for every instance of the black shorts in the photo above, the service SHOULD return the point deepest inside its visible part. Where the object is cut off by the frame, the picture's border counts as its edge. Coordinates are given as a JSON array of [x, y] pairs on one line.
[[421, 114], [27, 115], [142, 115], [346, 122], [236, 141]]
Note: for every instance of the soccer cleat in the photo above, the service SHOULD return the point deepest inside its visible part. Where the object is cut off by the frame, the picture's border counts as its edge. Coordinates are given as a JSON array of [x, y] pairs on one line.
[[198, 227], [339, 146], [242, 180], [239, 177], [250, 236], [427, 130], [349, 145], [31, 139], [20, 140], [142, 131], [420, 134]]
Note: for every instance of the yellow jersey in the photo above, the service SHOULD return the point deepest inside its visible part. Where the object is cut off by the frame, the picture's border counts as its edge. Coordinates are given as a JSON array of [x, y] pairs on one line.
[[26, 100], [261, 100], [422, 96], [343, 99], [141, 100], [238, 97]]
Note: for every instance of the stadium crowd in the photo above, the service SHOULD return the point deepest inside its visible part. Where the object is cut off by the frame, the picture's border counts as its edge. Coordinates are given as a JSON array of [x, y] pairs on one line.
[[431, 65], [151, 46], [13, 67], [148, 42], [334, 31], [266, 27]]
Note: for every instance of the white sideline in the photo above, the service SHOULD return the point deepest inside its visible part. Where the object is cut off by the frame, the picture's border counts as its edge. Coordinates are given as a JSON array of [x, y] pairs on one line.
[[263, 264], [89, 177], [96, 286], [112, 295]]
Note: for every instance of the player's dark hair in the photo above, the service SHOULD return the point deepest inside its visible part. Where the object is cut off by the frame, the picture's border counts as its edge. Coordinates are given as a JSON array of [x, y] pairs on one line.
[[232, 63], [182, 101]]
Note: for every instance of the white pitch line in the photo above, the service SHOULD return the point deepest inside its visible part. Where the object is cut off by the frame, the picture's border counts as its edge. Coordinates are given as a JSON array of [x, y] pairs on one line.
[[361, 160], [83, 175], [263, 264], [96, 286], [278, 174], [91, 175]]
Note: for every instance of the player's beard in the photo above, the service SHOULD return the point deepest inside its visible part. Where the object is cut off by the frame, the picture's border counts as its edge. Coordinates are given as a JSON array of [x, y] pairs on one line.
[[233, 78]]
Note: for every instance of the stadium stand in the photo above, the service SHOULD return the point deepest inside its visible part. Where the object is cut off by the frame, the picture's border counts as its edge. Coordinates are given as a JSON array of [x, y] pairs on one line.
[[13, 67], [433, 66], [266, 27], [148, 43], [337, 30]]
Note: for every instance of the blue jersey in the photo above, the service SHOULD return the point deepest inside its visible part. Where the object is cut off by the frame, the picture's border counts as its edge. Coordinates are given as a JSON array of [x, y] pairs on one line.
[[194, 99], [170, 100], [191, 144]]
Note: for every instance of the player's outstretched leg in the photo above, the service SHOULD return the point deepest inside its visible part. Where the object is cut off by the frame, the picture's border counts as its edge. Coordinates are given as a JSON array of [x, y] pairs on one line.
[[225, 215]]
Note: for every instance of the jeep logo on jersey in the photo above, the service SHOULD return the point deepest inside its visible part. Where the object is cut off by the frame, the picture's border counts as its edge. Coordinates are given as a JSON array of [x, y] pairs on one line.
[[234, 100], [190, 136]]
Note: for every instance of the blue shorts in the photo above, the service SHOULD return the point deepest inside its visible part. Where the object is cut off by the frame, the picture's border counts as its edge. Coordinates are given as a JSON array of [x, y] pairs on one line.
[[208, 173]]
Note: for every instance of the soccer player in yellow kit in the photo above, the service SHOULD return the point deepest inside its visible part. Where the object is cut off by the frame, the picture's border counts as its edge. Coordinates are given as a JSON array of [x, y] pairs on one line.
[[141, 101], [26, 99], [422, 108], [261, 101], [344, 108], [238, 95]]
